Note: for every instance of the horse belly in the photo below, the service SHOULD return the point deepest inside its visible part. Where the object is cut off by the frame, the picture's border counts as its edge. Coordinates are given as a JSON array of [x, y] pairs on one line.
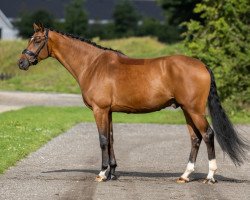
[[140, 101]]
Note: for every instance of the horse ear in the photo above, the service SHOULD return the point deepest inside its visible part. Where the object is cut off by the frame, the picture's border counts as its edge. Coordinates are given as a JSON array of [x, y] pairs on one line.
[[41, 26], [38, 27], [35, 27]]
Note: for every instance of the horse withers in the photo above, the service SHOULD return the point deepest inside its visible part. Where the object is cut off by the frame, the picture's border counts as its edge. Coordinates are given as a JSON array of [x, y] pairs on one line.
[[112, 82]]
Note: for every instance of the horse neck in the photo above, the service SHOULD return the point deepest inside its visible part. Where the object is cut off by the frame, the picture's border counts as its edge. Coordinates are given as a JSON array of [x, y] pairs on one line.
[[75, 55]]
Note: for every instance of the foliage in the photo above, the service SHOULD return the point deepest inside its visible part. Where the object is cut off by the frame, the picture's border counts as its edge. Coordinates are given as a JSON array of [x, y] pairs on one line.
[[76, 21], [102, 31], [222, 41], [148, 27], [176, 12], [125, 18], [24, 25], [126, 23], [153, 27]]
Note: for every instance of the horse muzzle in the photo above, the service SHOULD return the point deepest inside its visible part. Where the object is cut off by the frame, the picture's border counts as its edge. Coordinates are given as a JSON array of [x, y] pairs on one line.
[[23, 64]]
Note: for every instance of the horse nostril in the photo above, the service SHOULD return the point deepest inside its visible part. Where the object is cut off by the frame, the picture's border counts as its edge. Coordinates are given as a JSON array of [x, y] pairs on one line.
[[21, 63]]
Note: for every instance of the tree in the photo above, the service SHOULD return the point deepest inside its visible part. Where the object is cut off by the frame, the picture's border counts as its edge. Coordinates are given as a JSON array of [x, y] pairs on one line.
[[27, 19], [125, 18], [222, 41], [153, 27], [76, 21], [177, 12]]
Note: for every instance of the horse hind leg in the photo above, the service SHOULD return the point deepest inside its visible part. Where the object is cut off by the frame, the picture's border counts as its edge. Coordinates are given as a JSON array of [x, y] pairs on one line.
[[207, 133], [196, 139], [209, 140]]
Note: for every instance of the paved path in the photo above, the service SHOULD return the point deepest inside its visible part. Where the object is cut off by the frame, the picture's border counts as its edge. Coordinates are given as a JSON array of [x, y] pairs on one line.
[[150, 159], [13, 100], [16, 100]]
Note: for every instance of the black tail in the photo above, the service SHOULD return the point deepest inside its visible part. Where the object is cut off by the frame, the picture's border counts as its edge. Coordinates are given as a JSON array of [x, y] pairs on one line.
[[229, 140]]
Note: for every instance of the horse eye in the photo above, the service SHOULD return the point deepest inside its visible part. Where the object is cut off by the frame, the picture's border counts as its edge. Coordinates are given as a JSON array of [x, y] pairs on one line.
[[37, 41]]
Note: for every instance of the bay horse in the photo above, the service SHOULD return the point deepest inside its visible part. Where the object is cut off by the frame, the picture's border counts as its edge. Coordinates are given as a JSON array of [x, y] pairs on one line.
[[112, 82]]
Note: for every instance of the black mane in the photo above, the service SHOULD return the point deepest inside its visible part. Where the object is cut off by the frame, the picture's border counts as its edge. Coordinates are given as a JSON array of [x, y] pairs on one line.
[[87, 41]]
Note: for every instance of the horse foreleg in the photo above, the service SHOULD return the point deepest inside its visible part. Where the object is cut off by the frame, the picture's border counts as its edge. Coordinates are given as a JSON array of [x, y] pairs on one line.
[[102, 122], [196, 139], [112, 160]]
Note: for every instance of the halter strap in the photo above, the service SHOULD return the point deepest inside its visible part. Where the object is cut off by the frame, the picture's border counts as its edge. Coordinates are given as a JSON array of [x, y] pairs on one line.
[[30, 53], [34, 55]]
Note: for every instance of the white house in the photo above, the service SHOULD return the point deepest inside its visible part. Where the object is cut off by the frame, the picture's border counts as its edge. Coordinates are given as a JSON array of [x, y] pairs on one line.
[[7, 30]]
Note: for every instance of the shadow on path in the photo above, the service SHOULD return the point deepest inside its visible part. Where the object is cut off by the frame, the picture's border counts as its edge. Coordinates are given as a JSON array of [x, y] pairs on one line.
[[194, 176]]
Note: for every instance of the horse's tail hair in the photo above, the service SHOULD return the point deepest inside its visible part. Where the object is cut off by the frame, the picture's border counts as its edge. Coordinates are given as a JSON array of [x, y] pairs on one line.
[[228, 138]]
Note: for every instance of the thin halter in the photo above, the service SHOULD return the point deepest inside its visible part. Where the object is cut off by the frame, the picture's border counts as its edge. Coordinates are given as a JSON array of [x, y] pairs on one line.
[[36, 53]]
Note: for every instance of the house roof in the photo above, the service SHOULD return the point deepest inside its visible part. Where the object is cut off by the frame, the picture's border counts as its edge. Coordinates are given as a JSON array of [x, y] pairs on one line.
[[5, 20], [96, 9]]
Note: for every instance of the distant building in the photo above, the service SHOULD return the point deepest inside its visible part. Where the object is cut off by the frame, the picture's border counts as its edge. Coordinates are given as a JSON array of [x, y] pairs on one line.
[[99, 11], [7, 31]]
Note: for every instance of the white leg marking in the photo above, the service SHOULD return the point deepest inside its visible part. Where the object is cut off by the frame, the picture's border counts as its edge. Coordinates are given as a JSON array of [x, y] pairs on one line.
[[212, 169], [102, 173], [189, 170]]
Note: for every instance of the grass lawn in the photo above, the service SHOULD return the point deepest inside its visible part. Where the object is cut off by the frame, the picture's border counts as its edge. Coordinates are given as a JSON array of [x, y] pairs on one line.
[[26, 130]]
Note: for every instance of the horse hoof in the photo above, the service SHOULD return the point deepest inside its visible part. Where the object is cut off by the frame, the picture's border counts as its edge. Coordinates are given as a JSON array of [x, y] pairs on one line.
[[182, 180], [210, 181], [111, 177], [100, 179]]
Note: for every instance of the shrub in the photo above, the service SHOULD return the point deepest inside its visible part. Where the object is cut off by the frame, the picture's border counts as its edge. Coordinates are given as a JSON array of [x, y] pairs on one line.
[[24, 25], [125, 18], [223, 43], [76, 21]]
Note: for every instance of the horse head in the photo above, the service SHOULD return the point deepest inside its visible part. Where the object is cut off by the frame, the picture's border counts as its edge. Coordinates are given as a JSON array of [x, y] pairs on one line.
[[37, 48]]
